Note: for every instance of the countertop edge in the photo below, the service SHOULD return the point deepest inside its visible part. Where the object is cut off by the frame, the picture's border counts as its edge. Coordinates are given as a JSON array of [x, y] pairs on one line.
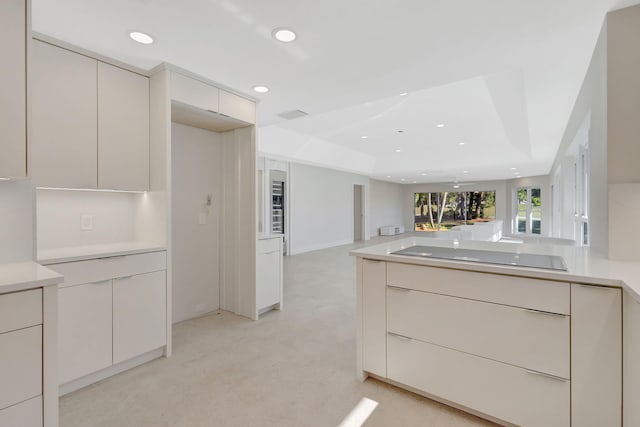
[[98, 254], [505, 270], [38, 277]]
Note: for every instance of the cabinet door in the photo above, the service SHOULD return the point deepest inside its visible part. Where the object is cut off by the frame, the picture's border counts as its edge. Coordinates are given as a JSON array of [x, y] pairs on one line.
[[194, 93], [237, 107], [139, 315], [20, 365], [268, 278], [63, 118], [13, 125], [123, 129], [374, 320], [84, 322], [596, 356], [25, 414]]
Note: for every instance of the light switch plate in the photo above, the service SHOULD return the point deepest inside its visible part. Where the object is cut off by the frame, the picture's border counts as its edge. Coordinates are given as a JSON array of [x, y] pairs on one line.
[[202, 218], [86, 222]]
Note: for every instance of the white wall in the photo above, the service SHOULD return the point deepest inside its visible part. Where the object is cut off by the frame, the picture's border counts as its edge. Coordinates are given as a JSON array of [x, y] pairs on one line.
[[196, 159], [386, 205], [500, 187], [59, 211], [587, 125], [321, 207], [17, 222]]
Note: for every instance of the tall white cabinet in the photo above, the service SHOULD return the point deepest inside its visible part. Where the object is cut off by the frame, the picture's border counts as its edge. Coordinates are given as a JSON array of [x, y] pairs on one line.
[[90, 122], [13, 86]]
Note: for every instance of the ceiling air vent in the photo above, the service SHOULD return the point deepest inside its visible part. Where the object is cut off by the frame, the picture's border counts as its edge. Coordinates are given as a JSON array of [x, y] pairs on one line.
[[293, 114]]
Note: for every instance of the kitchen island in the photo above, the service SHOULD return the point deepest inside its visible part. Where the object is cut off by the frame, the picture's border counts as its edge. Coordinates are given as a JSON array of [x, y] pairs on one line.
[[516, 345]]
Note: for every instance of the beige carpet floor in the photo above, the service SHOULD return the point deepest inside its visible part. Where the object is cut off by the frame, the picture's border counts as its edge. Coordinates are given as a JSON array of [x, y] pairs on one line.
[[294, 367]]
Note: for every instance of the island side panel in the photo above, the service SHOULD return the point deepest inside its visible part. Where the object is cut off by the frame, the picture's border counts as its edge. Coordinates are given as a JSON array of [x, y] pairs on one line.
[[631, 359], [360, 373], [596, 356], [374, 317]]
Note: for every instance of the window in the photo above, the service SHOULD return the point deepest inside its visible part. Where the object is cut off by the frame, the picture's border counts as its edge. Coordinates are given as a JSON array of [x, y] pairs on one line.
[[528, 210], [443, 210]]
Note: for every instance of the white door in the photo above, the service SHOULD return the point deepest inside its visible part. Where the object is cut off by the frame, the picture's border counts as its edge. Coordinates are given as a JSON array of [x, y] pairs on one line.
[[357, 213]]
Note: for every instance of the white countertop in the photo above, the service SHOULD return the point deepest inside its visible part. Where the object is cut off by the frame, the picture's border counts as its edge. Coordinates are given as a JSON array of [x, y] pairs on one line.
[[81, 253], [583, 264], [20, 276]]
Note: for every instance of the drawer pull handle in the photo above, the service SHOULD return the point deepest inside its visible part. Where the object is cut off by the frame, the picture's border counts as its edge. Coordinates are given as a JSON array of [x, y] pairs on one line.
[[402, 337], [542, 374], [548, 313], [101, 282], [111, 258], [600, 288], [398, 288], [124, 277]]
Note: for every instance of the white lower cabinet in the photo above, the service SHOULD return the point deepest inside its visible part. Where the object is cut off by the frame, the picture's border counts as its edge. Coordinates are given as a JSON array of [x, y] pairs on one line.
[[20, 365], [111, 310], [503, 391], [139, 314], [85, 329], [521, 351], [24, 414]]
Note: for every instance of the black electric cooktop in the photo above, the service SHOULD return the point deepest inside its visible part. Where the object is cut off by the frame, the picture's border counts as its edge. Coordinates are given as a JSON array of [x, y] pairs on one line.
[[550, 262]]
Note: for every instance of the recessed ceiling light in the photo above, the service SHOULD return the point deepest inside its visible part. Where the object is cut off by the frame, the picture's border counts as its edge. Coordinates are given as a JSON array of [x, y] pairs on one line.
[[398, 150], [388, 176], [456, 185], [261, 89], [284, 35], [423, 174], [461, 143], [364, 137], [141, 37], [513, 169], [415, 182], [402, 179], [440, 125], [465, 171], [404, 94]]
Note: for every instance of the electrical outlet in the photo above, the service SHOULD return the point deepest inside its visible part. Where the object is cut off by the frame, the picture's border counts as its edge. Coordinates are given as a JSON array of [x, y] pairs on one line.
[[202, 218], [86, 222]]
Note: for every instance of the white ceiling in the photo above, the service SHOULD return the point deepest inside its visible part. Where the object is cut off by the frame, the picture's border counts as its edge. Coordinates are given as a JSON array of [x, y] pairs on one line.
[[502, 75]]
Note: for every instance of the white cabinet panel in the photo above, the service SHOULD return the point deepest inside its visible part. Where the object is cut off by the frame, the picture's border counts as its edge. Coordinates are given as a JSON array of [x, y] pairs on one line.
[[139, 315], [268, 273], [502, 391], [631, 356], [237, 107], [25, 414], [544, 295], [374, 322], [20, 310], [123, 131], [84, 329], [596, 356], [194, 92], [20, 365], [63, 118], [526, 338], [95, 270], [13, 125]]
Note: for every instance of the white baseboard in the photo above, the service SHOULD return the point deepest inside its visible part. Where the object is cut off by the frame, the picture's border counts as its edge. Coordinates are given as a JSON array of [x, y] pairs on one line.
[[109, 372]]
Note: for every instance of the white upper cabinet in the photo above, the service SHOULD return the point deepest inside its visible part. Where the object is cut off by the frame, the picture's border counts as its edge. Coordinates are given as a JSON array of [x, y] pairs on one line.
[[237, 107], [90, 122], [13, 105], [63, 118], [123, 129], [194, 92]]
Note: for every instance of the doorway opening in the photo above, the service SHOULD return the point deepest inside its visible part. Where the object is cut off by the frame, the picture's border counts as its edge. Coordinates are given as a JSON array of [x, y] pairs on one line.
[[358, 212]]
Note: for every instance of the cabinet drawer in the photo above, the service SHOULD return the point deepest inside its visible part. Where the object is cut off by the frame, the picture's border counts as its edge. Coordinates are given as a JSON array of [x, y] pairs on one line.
[[20, 365], [502, 391], [543, 295], [24, 414], [96, 270], [20, 310], [530, 339]]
